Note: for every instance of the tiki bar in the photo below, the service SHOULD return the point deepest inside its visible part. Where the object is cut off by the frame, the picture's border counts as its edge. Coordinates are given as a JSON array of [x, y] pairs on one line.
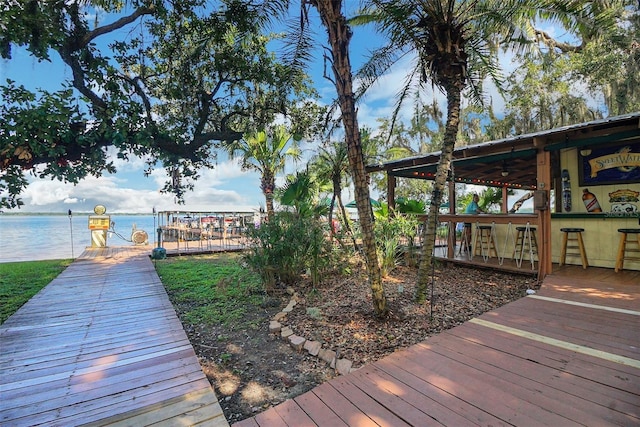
[[585, 183]]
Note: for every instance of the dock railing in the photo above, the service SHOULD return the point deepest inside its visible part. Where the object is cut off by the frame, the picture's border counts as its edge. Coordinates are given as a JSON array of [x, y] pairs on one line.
[[189, 231]]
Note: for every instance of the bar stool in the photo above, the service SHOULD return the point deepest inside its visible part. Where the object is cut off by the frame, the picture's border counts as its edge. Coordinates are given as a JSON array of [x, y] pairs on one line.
[[485, 238], [580, 245], [465, 241], [525, 235], [622, 247]]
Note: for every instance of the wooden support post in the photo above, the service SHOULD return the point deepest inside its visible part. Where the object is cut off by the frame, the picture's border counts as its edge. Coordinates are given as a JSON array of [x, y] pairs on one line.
[[505, 200], [543, 166], [451, 243], [391, 192]]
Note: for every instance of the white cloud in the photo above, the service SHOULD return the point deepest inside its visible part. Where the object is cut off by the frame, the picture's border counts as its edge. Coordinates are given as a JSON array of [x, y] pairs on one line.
[[41, 192], [133, 163], [227, 170], [224, 188]]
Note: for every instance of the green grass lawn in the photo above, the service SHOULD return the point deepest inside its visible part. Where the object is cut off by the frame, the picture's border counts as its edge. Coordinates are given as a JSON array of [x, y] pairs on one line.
[[19, 281], [211, 289], [208, 289]]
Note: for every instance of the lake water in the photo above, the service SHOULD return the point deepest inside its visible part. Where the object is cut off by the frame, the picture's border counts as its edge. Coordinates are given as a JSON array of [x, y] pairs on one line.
[[37, 237]]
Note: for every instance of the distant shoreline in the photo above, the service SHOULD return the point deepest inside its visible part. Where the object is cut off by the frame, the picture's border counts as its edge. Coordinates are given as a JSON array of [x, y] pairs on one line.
[[66, 214], [31, 236]]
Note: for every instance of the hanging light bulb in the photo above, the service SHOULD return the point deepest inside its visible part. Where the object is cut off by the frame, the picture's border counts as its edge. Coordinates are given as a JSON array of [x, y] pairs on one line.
[[505, 171]]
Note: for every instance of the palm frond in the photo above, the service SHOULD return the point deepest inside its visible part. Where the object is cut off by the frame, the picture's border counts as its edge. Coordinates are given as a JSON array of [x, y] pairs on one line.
[[411, 81], [298, 45], [271, 11], [379, 63]]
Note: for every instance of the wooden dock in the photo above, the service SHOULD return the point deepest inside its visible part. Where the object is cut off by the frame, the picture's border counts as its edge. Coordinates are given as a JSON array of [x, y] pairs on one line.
[[567, 356], [102, 345]]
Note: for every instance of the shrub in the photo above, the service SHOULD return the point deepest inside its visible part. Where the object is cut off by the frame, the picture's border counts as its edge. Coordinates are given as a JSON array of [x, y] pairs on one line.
[[287, 246], [392, 234]]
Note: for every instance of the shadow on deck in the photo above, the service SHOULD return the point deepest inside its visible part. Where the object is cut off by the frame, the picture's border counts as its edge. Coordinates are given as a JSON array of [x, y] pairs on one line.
[[102, 345], [567, 355]]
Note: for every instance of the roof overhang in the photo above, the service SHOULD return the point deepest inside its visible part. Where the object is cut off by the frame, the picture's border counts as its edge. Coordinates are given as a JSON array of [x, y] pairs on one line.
[[511, 162], [514, 169]]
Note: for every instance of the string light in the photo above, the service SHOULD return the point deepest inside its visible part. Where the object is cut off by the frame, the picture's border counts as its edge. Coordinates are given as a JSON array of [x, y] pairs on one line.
[[477, 181]]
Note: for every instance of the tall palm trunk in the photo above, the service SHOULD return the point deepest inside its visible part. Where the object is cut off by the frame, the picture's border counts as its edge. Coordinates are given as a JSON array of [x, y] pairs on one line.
[[339, 37], [337, 189], [330, 216], [439, 186], [268, 187]]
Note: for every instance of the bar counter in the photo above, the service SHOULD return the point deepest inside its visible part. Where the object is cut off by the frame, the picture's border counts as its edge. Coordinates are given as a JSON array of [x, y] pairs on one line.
[[504, 233], [600, 235]]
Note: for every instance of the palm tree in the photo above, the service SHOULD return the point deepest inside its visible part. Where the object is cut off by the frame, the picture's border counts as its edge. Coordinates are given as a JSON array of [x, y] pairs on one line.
[[456, 44], [339, 36], [297, 55], [301, 192], [266, 154], [332, 164]]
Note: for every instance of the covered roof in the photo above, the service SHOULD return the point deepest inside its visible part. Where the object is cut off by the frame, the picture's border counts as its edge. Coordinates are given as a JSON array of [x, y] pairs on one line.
[[511, 162]]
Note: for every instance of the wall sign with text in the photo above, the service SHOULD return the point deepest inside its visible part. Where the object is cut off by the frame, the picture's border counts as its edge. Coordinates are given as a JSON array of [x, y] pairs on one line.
[[613, 164]]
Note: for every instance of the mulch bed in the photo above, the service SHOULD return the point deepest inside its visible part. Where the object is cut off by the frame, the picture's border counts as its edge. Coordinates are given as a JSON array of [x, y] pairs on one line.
[[252, 370]]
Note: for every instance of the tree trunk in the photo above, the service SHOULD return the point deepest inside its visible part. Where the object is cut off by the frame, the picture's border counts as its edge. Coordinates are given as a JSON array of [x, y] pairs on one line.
[[339, 37], [345, 216], [268, 187], [270, 211], [518, 204], [439, 186], [332, 230], [345, 222]]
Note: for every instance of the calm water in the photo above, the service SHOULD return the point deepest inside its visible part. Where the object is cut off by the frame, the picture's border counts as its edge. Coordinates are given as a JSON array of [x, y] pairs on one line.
[[34, 237]]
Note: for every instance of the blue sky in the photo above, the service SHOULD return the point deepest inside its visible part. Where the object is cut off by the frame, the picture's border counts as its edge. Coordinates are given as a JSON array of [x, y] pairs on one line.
[[224, 188]]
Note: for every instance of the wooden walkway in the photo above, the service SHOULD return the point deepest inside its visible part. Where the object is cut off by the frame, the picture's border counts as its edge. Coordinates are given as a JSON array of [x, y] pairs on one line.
[[102, 345], [566, 356]]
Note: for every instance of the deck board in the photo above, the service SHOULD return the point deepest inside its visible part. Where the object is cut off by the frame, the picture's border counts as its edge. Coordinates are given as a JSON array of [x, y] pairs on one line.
[[559, 361], [533, 385], [380, 413], [521, 364], [346, 410], [292, 414], [319, 412], [576, 325], [396, 390], [373, 386], [535, 375], [102, 345]]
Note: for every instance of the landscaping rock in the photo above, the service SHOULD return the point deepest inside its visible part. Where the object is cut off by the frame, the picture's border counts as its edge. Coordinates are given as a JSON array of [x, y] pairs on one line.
[[286, 332], [289, 306], [313, 347], [274, 327], [296, 342], [328, 356], [279, 316], [343, 366]]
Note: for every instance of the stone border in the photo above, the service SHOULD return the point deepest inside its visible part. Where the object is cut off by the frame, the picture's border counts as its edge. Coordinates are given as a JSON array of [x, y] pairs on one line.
[[314, 348]]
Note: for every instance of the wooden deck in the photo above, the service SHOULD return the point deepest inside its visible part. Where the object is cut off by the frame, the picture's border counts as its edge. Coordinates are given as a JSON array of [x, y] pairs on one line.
[[102, 345], [568, 355]]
